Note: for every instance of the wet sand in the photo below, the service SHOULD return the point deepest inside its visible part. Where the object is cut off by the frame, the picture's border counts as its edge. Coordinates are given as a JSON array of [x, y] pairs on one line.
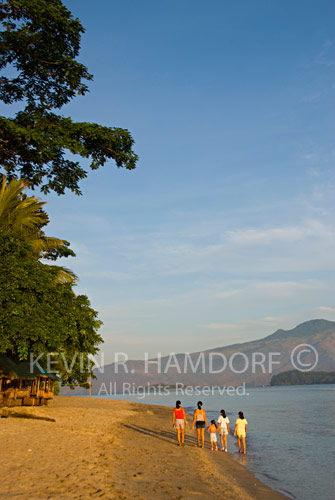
[[105, 449]]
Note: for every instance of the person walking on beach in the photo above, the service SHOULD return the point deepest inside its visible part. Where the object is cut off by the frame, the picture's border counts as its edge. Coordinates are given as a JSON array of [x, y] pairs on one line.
[[223, 423], [212, 429], [179, 421], [200, 421], [241, 426]]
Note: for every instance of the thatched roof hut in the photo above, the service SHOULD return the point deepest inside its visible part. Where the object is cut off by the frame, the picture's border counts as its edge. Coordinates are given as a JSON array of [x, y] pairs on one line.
[[11, 370], [22, 384]]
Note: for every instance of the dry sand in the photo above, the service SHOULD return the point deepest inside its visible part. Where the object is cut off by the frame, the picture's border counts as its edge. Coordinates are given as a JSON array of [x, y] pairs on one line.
[[114, 450]]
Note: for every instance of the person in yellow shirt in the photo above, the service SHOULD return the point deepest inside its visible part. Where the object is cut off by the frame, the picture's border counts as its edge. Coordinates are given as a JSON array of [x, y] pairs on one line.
[[241, 426]]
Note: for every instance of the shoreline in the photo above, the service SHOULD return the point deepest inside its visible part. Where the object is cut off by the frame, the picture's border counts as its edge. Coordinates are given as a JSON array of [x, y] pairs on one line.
[[109, 449]]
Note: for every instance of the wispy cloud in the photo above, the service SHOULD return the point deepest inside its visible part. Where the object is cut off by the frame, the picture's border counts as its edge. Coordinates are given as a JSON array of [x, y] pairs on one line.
[[326, 309], [272, 290], [267, 322], [270, 249], [107, 275], [314, 96], [263, 236], [323, 58], [327, 312]]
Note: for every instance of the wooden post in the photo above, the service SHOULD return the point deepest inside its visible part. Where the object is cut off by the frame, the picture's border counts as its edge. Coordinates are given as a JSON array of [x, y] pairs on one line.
[[90, 385]]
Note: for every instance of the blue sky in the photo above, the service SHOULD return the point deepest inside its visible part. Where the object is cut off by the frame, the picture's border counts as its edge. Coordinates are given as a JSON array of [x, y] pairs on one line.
[[225, 231]]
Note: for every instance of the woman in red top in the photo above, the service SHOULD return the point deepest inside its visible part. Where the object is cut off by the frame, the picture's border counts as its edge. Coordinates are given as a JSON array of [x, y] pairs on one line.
[[179, 422]]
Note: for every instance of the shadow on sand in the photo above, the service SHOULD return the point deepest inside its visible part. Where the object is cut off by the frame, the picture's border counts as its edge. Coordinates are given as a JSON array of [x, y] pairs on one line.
[[168, 436]]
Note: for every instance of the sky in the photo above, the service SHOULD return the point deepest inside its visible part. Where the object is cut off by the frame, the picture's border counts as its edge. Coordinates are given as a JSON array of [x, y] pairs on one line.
[[225, 231]]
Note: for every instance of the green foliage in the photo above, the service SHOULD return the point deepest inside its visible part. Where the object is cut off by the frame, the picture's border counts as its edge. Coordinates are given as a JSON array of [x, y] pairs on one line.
[[39, 312], [19, 213], [41, 39], [39, 315], [295, 377], [40, 42], [58, 252], [25, 215], [56, 388]]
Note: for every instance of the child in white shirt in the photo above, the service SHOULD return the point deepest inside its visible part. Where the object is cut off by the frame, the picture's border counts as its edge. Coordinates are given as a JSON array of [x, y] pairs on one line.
[[223, 422]]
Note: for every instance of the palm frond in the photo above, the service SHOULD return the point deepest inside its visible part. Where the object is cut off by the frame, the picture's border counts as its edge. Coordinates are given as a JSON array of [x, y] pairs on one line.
[[40, 245], [18, 212], [25, 215], [65, 275]]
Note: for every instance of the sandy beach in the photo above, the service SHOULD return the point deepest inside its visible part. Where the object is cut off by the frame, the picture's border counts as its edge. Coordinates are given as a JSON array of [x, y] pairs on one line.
[[93, 448]]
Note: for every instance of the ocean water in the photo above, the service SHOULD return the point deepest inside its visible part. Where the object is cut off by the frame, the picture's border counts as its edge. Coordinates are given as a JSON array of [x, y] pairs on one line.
[[291, 434]]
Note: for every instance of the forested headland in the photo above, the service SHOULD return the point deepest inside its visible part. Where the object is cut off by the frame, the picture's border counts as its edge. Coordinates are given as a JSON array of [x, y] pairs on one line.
[[295, 377]]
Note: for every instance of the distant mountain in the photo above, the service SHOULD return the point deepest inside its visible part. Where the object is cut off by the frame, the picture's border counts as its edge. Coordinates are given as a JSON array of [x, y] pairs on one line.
[[252, 363]]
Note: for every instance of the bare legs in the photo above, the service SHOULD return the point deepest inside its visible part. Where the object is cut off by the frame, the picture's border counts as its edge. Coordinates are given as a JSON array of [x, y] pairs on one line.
[[212, 445], [223, 437], [180, 433], [225, 442], [203, 437], [239, 444], [201, 432]]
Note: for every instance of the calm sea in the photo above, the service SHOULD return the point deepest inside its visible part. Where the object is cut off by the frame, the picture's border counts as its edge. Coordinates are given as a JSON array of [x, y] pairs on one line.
[[291, 434]]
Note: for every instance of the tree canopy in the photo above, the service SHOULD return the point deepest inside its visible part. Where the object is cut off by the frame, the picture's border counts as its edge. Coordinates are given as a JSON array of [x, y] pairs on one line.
[[39, 44], [40, 315], [295, 377], [39, 312]]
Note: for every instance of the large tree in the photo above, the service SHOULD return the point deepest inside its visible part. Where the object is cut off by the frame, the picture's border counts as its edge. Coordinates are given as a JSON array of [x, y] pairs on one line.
[[39, 44], [40, 315], [39, 311]]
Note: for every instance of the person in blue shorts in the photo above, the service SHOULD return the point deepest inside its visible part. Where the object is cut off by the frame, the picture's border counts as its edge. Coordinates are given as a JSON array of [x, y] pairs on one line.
[[200, 421]]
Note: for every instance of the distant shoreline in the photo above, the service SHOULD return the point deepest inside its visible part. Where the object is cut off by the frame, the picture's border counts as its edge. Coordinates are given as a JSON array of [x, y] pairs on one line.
[[173, 390], [295, 377]]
